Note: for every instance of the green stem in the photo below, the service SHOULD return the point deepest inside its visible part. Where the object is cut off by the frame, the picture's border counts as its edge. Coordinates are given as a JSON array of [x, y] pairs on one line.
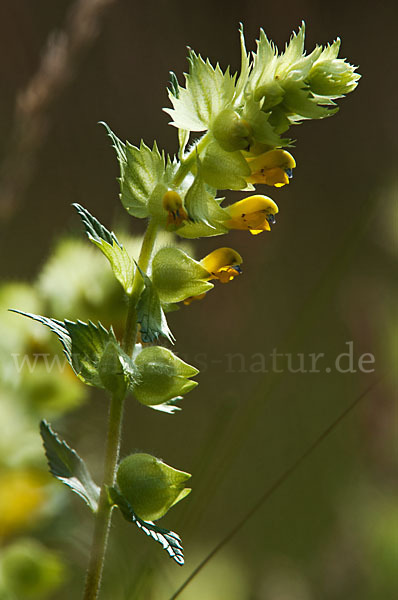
[[104, 512], [130, 332], [103, 515], [188, 162]]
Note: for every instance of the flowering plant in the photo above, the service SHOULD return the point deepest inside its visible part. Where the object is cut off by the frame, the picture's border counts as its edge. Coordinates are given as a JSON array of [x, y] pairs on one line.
[[243, 121]]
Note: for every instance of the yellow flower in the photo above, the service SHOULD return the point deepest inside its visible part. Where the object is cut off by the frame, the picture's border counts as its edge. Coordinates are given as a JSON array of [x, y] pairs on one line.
[[172, 203], [222, 264], [272, 168], [255, 213], [22, 495]]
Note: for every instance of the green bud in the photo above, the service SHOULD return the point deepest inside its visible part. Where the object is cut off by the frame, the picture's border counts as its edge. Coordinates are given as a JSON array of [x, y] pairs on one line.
[[111, 369], [332, 76], [162, 376], [151, 486], [224, 170], [231, 131], [176, 276]]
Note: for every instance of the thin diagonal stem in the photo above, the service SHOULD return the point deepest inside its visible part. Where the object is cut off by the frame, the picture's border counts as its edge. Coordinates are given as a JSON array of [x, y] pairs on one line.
[[275, 486]]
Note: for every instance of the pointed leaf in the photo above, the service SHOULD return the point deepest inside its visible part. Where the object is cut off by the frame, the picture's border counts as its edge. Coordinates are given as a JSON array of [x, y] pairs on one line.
[[141, 170], [107, 242], [150, 314], [170, 540], [67, 466], [207, 91], [84, 346]]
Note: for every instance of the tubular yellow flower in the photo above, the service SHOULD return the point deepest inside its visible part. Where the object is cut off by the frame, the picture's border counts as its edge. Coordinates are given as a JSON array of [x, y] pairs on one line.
[[172, 203], [222, 264], [272, 168], [255, 213]]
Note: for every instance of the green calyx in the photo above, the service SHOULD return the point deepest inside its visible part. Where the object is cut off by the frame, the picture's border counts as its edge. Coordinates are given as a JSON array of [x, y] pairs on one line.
[[176, 276], [162, 376], [151, 486], [231, 131]]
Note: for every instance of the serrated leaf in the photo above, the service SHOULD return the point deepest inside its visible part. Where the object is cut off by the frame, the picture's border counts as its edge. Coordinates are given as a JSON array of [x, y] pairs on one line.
[[150, 314], [170, 540], [84, 346], [170, 407], [141, 170], [264, 62], [107, 242], [67, 466], [207, 91], [244, 67]]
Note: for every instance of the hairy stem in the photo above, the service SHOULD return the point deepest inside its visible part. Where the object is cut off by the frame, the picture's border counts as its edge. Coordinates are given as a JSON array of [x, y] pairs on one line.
[[104, 512], [130, 332], [103, 515], [187, 164]]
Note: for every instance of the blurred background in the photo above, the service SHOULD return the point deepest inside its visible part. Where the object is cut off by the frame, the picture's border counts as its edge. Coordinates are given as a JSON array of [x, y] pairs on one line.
[[321, 282]]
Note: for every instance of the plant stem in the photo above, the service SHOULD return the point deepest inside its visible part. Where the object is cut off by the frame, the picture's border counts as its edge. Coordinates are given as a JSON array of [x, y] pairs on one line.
[[187, 163], [103, 515], [104, 511], [130, 332]]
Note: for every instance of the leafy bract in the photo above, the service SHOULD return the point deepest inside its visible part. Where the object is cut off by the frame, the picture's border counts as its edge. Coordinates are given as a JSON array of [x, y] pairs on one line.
[[84, 346], [107, 242], [207, 91], [170, 540], [67, 466], [141, 170], [150, 314]]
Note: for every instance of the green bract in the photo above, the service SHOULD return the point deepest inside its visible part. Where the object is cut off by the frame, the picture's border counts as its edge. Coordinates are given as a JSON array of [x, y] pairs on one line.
[[176, 276], [332, 76], [207, 92], [224, 170], [162, 376], [143, 172], [151, 486]]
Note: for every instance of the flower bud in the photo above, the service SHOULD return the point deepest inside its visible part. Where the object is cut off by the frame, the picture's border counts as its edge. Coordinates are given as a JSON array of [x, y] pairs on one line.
[[272, 168], [231, 131], [172, 203], [332, 76], [176, 276], [162, 376], [150, 486], [254, 213]]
